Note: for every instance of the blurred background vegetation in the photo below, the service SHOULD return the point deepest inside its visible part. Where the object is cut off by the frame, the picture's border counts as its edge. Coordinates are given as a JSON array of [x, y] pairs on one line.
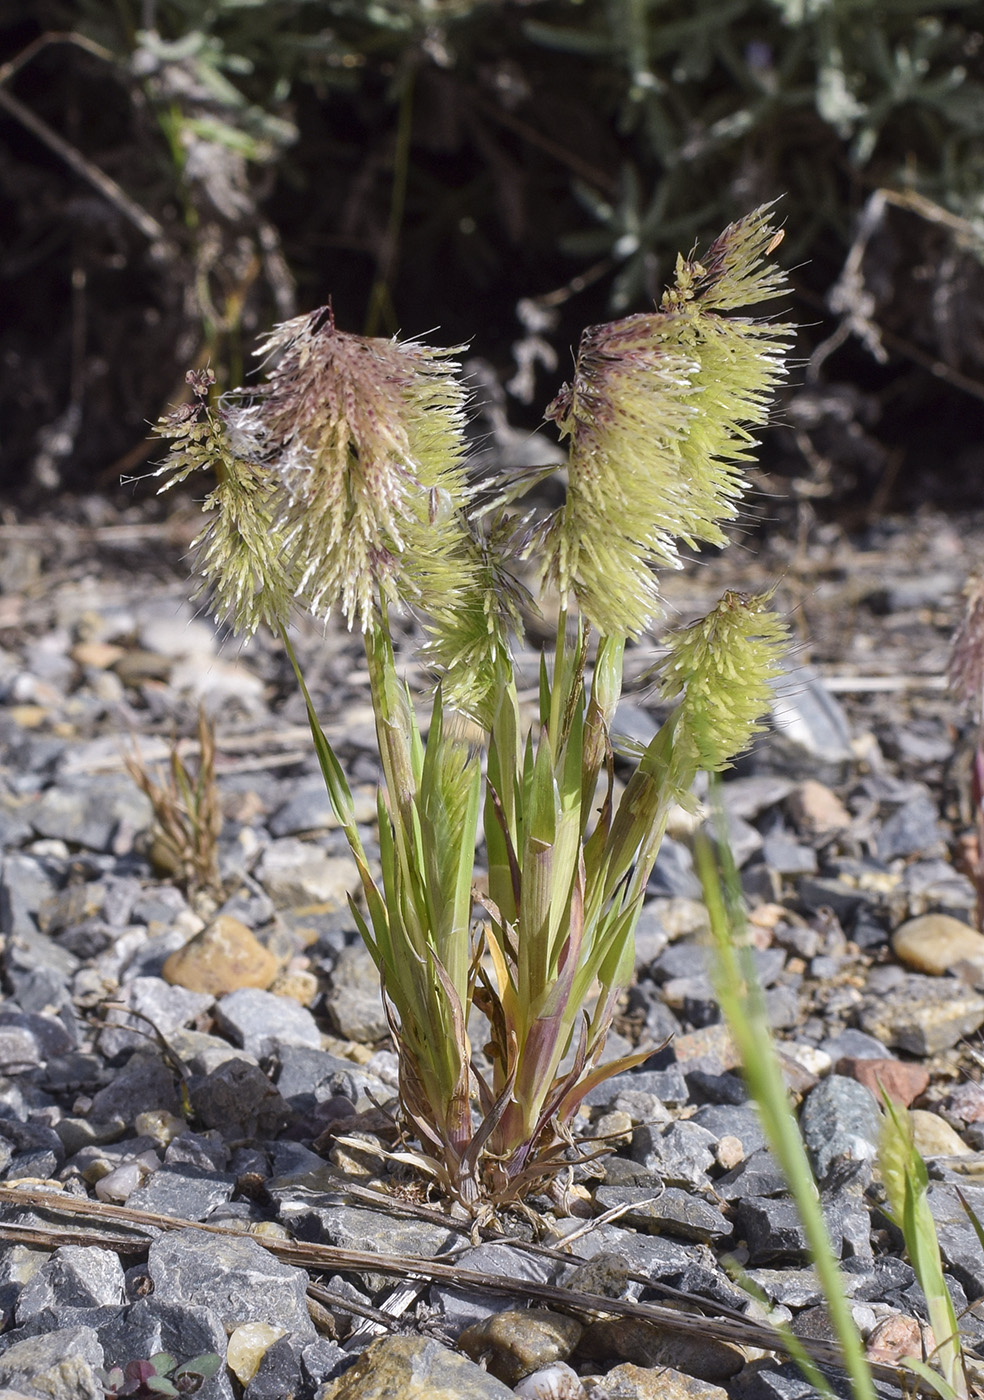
[[178, 175]]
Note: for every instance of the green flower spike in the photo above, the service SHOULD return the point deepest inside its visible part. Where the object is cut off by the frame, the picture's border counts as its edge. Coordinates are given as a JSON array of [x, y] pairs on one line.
[[658, 414], [723, 666]]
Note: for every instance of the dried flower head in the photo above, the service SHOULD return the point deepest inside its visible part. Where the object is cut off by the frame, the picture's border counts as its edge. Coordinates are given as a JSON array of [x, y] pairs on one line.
[[366, 438], [965, 671], [723, 666], [658, 415]]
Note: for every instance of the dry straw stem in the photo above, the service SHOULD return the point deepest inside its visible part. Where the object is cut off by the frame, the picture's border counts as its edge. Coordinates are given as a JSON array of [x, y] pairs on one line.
[[142, 1226]]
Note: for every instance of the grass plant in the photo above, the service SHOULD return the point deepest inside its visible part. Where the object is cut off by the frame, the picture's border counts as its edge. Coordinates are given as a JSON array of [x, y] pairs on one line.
[[342, 487], [902, 1170], [187, 814]]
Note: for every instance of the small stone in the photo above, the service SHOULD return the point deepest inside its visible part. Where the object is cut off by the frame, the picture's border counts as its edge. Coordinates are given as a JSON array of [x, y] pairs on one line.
[[413, 1368], [645, 1344], [298, 984], [239, 1100], [558, 1381], [966, 1102], [59, 1364], [912, 830], [810, 728], [232, 1276], [513, 1343], [934, 943], [934, 1137], [923, 1015], [901, 1080], [840, 1118], [894, 1337], [816, 810], [224, 957], [145, 1083], [296, 874], [629, 1382], [73, 1276], [261, 1023], [88, 811], [355, 1001], [670, 1211], [681, 1153], [248, 1345]]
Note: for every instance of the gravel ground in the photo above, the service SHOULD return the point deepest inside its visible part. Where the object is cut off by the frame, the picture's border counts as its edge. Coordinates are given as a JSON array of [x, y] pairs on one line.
[[197, 1060]]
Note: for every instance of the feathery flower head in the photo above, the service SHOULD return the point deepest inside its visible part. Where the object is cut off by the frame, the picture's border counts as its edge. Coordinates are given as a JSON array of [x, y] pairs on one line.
[[240, 553], [658, 415], [723, 666], [366, 438]]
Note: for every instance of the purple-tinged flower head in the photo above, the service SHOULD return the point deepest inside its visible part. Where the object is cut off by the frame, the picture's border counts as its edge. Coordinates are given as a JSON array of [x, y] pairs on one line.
[[366, 439]]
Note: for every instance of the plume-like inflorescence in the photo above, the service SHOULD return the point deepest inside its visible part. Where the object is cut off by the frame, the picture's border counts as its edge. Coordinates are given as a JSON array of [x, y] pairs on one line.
[[659, 416], [723, 666], [366, 438], [240, 554], [340, 478]]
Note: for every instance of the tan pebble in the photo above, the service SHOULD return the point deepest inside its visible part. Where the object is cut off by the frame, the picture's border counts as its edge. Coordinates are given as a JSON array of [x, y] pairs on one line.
[[226, 955], [514, 1343], [815, 809], [934, 942], [630, 1382], [99, 655], [729, 1151], [297, 984], [28, 716], [934, 1137], [248, 1345], [159, 1124], [135, 667], [894, 1337]]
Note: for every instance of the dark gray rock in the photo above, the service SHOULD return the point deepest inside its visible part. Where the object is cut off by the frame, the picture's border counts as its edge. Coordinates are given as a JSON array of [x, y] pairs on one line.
[[263, 1023], [322, 1360], [144, 1083], [959, 1244], [668, 1085], [670, 1211], [73, 1276], [35, 1148], [740, 1121], [787, 856], [154, 1004], [459, 1308], [749, 797], [673, 874], [187, 1193], [234, 1277], [680, 1154], [25, 884], [934, 885], [912, 830], [308, 1077], [278, 1375], [205, 1151], [771, 1229], [855, 1045], [758, 1175], [810, 735], [239, 1100], [352, 1227], [839, 1118], [59, 1364]]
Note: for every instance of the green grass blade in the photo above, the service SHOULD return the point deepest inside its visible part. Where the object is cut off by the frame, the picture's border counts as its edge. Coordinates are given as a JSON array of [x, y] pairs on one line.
[[742, 1004]]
